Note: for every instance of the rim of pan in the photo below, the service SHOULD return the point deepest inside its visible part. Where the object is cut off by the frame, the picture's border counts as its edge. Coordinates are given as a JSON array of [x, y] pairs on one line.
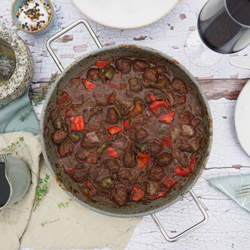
[[141, 48]]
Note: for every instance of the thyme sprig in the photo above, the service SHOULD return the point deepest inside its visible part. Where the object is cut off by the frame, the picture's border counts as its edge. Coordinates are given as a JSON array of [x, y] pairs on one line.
[[42, 190], [66, 204], [18, 142], [48, 222], [37, 100]]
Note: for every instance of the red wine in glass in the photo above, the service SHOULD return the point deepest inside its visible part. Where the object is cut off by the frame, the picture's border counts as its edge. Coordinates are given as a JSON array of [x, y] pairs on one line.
[[224, 25]]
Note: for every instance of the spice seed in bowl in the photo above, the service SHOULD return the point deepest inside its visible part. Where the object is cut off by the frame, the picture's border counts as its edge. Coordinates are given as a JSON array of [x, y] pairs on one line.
[[34, 14]]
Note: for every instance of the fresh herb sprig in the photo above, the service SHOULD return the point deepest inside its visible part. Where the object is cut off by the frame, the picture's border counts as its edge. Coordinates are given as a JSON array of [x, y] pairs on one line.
[[37, 100], [18, 142], [66, 204], [42, 190], [47, 222]]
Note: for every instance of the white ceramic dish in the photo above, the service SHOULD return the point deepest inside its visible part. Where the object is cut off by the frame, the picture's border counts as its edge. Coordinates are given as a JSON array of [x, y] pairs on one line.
[[242, 118], [126, 14]]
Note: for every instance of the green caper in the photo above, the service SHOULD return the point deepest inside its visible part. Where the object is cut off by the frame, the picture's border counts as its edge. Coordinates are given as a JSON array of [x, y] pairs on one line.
[[119, 110], [58, 123], [175, 161], [106, 182], [141, 146], [161, 84], [162, 127], [74, 137], [102, 147]]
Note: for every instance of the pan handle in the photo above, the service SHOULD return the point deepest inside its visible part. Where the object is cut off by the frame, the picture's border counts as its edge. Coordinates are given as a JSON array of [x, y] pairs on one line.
[[189, 230], [71, 26]]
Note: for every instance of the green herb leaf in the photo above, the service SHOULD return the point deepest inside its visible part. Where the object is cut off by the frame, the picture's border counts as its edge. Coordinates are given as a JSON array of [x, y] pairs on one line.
[[37, 100]]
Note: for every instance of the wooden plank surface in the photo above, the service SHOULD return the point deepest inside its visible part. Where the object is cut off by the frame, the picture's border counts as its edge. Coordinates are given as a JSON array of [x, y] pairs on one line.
[[214, 89]]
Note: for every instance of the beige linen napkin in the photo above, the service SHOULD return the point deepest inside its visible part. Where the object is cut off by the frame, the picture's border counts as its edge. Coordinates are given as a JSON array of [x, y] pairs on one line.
[[71, 226], [14, 219]]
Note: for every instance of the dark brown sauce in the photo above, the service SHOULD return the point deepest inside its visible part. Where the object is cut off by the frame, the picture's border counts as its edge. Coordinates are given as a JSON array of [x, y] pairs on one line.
[[125, 139]]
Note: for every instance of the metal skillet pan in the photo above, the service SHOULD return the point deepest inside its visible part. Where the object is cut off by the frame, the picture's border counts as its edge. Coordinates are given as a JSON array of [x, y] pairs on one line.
[[49, 150]]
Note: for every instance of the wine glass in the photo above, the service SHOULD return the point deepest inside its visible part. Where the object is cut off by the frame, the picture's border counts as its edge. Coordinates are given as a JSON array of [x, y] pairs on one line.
[[224, 27]]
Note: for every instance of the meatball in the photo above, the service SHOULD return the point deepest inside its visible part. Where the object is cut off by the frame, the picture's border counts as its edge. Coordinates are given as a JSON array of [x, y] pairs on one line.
[[141, 134], [179, 100], [156, 174], [196, 122], [112, 165], [176, 154], [85, 143], [184, 145], [121, 196], [164, 159], [125, 175], [195, 145], [129, 159], [140, 65], [92, 173], [154, 147], [59, 136], [92, 74], [187, 130], [170, 96], [150, 75], [79, 175], [93, 157], [161, 69], [123, 65], [152, 189], [81, 154], [179, 86], [174, 133], [65, 149], [186, 117], [111, 116]]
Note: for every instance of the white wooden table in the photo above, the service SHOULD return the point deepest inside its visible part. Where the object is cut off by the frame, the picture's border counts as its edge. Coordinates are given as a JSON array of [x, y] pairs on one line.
[[229, 225]]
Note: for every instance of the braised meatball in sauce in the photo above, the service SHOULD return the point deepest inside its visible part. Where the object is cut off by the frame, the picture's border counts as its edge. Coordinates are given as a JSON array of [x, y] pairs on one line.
[[127, 130]]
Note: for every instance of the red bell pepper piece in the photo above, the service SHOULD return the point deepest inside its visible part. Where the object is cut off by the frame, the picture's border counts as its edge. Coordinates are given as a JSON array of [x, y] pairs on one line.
[[77, 123], [152, 98], [70, 169], [100, 64], [125, 124], [192, 164], [169, 182], [64, 98], [160, 194], [167, 141], [182, 171], [88, 84], [156, 105], [88, 183], [137, 193], [114, 129], [143, 159], [112, 153], [167, 118], [114, 86]]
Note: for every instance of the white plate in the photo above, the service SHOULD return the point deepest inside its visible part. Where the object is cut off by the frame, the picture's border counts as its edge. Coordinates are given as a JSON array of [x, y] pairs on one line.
[[125, 14], [242, 118]]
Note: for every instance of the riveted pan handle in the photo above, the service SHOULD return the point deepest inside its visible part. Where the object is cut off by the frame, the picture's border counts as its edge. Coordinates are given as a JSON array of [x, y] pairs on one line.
[[71, 26], [191, 229]]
